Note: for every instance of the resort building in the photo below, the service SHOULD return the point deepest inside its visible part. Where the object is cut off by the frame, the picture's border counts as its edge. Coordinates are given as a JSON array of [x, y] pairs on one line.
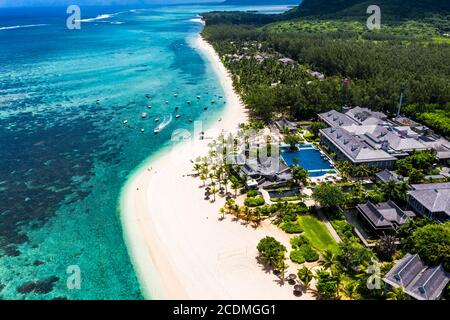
[[419, 281], [383, 217], [284, 124], [362, 136], [355, 149], [432, 200], [270, 172]]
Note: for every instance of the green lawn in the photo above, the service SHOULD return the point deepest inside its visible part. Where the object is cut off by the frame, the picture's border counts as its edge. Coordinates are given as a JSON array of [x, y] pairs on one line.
[[317, 233], [441, 40]]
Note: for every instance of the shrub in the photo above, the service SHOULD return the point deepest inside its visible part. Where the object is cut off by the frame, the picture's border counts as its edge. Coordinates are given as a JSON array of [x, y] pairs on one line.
[[308, 253], [271, 251], [252, 193], [291, 227], [432, 243], [298, 241], [326, 285], [254, 202], [296, 256], [329, 195], [352, 255]]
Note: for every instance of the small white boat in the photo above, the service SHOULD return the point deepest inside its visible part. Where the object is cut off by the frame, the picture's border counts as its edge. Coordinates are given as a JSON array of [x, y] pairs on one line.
[[198, 97], [188, 102], [167, 102], [156, 119], [144, 115], [149, 107], [220, 119], [142, 130], [166, 121], [190, 120], [214, 101], [177, 116], [125, 121], [175, 95]]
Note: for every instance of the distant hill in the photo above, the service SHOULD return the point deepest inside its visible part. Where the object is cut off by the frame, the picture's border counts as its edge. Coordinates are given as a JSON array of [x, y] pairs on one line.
[[436, 12], [261, 2], [392, 9]]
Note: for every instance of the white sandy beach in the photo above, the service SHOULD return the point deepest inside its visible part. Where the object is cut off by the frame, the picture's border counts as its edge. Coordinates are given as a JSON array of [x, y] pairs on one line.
[[179, 247]]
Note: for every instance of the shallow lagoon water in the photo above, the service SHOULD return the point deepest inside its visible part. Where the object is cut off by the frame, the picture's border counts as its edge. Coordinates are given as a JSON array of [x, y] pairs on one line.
[[64, 147]]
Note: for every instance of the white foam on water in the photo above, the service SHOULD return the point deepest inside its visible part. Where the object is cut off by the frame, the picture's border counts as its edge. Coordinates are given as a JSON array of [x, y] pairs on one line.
[[24, 26], [100, 17]]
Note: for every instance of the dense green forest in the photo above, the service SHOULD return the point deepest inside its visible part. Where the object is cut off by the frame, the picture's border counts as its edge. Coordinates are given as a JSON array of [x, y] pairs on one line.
[[391, 9], [409, 55]]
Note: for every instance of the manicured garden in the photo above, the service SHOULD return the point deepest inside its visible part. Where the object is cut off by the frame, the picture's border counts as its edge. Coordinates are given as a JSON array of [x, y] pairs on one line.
[[317, 233]]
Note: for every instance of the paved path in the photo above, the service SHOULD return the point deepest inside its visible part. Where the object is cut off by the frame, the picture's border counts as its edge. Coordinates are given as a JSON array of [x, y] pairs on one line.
[[266, 196]]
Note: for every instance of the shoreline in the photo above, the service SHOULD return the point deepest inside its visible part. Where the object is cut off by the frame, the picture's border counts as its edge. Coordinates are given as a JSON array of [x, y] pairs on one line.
[[147, 258], [178, 246]]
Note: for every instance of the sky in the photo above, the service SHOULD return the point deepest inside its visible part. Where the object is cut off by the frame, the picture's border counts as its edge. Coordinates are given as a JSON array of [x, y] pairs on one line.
[[27, 3]]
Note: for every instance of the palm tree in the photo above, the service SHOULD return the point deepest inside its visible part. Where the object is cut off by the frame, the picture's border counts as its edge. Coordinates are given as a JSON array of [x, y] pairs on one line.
[[235, 187], [358, 192], [225, 181], [328, 259], [257, 211], [362, 171], [245, 212], [204, 170], [396, 294], [237, 210], [389, 189], [344, 167], [305, 275], [203, 178], [338, 277], [197, 167], [282, 267], [213, 190], [222, 212]]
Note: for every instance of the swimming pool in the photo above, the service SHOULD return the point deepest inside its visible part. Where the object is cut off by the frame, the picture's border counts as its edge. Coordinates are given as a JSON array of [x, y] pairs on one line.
[[308, 157]]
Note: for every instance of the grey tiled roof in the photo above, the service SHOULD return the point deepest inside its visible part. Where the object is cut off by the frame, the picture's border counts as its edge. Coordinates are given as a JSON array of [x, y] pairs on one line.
[[272, 167], [283, 123], [354, 147], [435, 197], [431, 186], [417, 279], [384, 215], [397, 138], [365, 116], [387, 175], [430, 283], [379, 133], [336, 119]]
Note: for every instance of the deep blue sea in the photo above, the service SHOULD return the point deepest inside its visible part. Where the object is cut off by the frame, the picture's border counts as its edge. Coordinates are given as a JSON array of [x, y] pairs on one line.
[[65, 151]]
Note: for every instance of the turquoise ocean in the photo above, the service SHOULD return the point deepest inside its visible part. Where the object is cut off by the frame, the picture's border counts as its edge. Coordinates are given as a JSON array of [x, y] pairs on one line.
[[65, 150]]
